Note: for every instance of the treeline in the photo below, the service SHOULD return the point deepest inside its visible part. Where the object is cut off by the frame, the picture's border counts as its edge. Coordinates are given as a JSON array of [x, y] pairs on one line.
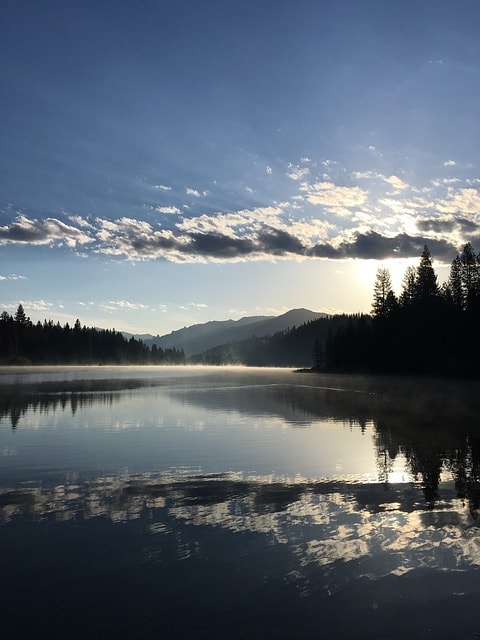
[[23, 342], [427, 329], [288, 348]]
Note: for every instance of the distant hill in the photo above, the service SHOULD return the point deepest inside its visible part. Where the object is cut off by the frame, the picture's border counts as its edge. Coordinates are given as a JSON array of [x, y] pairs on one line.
[[201, 337], [293, 348]]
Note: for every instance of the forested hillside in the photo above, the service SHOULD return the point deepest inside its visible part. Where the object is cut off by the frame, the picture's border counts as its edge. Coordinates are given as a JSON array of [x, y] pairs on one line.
[[22, 342], [297, 347], [426, 329]]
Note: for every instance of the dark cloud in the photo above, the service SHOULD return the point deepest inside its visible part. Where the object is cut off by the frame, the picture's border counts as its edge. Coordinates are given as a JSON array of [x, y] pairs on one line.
[[25, 230], [217, 245], [269, 241], [22, 230], [444, 225], [324, 251], [373, 246], [152, 244], [279, 243]]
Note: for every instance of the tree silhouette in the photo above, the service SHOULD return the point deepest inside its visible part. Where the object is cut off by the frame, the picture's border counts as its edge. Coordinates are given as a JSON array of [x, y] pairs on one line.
[[408, 295], [384, 301], [426, 284], [469, 277], [455, 283]]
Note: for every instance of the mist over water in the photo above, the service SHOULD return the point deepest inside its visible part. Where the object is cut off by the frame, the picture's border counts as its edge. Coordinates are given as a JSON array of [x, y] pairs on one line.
[[202, 501]]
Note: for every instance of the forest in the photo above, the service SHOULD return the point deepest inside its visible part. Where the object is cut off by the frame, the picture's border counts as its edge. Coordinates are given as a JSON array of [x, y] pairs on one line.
[[23, 342], [427, 329]]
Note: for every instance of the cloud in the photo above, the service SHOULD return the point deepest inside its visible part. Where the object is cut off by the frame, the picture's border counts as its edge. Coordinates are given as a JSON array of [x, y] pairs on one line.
[[80, 222], [51, 230], [295, 172], [194, 192], [163, 187], [373, 246], [365, 175], [13, 276], [279, 243], [450, 163], [333, 196], [465, 202], [229, 222], [446, 181], [217, 245], [395, 182], [459, 231], [169, 210], [268, 170], [30, 305], [124, 305]]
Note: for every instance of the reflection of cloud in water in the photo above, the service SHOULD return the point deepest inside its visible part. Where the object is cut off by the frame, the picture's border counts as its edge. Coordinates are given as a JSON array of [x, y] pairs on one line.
[[380, 531]]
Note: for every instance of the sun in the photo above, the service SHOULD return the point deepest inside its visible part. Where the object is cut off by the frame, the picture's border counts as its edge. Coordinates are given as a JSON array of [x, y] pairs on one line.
[[367, 271]]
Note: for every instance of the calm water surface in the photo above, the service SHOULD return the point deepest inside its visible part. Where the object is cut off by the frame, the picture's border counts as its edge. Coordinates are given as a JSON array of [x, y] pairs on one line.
[[245, 503]]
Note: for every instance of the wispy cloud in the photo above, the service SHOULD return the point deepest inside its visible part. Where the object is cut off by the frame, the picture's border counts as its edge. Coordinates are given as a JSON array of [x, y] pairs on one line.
[[334, 196], [465, 202], [30, 305], [296, 173], [396, 183], [124, 305], [12, 276], [195, 193], [168, 210]]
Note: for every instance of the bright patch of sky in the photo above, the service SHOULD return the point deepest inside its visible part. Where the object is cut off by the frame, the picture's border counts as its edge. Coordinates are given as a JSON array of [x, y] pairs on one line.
[[174, 162]]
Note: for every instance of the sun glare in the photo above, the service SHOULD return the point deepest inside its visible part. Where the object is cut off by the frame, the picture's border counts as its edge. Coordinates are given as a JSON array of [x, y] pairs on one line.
[[367, 270]]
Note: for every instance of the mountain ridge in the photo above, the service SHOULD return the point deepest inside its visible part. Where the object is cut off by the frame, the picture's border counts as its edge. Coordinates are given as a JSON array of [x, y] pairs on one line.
[[199, 337]]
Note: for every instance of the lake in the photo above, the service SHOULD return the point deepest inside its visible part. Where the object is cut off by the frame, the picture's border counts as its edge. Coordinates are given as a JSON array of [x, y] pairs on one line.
[[148, 502]]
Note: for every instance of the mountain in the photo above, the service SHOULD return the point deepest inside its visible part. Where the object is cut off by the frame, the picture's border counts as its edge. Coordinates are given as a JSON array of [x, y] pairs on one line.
[[200, 337], [302, 346]]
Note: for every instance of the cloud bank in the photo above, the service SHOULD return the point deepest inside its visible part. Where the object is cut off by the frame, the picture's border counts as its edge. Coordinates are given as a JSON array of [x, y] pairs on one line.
[[334, 215]]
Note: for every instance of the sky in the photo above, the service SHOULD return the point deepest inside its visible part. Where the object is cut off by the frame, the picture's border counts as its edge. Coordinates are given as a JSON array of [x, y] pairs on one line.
[[169, 162]]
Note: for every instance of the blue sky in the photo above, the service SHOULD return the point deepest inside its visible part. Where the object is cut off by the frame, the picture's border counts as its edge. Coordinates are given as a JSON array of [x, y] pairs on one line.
[[167, 163]]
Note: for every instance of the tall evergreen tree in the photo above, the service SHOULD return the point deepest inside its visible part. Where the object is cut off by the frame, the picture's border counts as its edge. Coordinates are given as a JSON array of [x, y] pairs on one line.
[[20, 315], [409, 289], [470, 276], [384, 300], [455, 284], [426, 285]]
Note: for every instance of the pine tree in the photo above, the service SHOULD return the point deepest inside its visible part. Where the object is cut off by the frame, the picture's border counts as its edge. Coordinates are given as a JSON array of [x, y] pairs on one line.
[[408, 294], [426, 285], [384, 300], [20, 316], [455, 284], [469, 276]]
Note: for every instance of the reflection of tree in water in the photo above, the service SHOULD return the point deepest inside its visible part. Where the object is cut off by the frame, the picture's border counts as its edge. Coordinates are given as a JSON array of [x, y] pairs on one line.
[[430, 449], [15, 408], [16, 401]]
